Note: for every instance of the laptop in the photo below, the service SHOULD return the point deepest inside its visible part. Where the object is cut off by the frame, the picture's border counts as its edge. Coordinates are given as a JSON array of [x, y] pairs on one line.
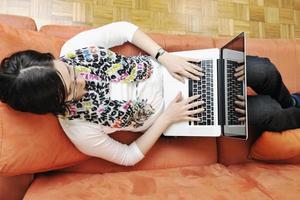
[[218, 88]]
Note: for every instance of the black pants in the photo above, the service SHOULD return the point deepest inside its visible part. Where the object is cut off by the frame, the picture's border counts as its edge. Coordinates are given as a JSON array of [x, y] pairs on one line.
[[272, 108]]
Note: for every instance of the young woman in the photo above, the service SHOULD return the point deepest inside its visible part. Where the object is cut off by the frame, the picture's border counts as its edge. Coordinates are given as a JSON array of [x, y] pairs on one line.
[[95, 91]]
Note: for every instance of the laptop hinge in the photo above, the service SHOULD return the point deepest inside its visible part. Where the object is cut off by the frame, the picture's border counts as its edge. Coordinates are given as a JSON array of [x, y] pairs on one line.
[[221, 100]]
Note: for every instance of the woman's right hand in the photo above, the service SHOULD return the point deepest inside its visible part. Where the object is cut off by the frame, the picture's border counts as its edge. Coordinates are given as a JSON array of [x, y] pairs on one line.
[[180, 109], [240, 107]]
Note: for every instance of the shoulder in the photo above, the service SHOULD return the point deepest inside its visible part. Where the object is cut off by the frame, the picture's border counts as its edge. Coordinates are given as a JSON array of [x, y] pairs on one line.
[[78, 129], [72, 52]]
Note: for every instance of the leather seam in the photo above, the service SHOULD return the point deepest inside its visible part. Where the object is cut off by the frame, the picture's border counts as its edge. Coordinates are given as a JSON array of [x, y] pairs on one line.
[[218, 151], [248, 179]]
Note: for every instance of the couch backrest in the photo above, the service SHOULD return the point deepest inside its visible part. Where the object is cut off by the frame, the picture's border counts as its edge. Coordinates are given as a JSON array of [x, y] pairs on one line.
[[169, 152]]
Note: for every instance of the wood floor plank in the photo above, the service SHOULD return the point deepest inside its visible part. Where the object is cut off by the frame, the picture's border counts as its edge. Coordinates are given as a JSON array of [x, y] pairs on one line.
[[258, 18]]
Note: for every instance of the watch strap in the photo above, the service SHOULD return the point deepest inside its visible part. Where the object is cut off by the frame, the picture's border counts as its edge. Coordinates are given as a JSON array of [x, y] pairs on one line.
[[160, 52]]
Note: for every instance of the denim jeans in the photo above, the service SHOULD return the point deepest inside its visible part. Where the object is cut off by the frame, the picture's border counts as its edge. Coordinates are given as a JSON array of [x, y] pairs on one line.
[[272, 109]]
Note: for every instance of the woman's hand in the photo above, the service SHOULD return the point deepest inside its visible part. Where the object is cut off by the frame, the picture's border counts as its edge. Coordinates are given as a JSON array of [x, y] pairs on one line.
[[240, 107], [240, 102], [180, 67], [180, 109], [240, 73]]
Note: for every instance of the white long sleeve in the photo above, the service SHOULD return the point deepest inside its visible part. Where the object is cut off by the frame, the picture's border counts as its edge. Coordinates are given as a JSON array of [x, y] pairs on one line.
[[91, 140], [107, 36]]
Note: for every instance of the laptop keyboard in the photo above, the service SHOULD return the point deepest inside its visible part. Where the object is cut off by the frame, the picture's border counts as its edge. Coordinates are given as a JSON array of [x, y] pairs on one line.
[[204, 88], [234, 87]]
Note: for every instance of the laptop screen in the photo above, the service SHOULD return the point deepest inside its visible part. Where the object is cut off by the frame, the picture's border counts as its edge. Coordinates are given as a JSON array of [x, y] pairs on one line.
[[237, 44], [235, 95]]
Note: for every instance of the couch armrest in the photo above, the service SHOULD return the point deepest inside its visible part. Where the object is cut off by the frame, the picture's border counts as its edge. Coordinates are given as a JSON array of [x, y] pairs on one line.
[[20, 22], [14, 187]]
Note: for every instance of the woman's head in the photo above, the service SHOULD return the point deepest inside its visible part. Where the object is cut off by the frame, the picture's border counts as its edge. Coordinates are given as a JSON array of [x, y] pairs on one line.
[[30, 82]]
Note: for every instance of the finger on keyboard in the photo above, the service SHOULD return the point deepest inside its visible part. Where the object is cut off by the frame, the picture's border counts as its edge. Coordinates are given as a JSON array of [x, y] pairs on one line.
[[241, 97], [241, 78], [240, 110], [242, 119], [239, 68], [240, 103]]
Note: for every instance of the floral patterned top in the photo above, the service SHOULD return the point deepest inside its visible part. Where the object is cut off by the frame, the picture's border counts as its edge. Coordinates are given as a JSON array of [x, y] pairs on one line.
[[100, 67]]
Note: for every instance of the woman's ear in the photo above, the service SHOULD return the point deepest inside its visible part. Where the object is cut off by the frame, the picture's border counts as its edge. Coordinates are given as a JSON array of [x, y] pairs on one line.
[[69, 97]]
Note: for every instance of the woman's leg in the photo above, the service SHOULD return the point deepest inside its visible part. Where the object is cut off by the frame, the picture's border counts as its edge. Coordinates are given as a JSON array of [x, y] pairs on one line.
[[267, 114], [265, 79]]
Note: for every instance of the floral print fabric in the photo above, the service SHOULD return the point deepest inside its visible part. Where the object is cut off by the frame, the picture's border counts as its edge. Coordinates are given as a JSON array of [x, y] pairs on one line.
[[99, 67]]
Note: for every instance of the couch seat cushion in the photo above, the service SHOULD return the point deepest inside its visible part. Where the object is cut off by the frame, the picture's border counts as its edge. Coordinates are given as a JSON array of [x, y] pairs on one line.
[[275, 180], [192, 151], [202, 182]]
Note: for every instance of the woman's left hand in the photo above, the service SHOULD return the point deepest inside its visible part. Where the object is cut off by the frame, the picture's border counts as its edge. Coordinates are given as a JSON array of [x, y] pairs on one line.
[[180, 67]]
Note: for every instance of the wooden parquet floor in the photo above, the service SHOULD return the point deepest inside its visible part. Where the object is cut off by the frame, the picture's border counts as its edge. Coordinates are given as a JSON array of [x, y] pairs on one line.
[[259, 18]]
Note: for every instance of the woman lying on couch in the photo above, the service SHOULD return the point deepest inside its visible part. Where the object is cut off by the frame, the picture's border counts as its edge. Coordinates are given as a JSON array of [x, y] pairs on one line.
[[76, 87]]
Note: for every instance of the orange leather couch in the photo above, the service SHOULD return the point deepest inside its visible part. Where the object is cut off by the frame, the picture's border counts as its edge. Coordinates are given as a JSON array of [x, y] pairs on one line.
[[175, 168]]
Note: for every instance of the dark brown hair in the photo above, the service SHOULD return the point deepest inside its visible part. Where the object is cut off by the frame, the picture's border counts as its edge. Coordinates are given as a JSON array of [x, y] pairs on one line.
[[30, 83]]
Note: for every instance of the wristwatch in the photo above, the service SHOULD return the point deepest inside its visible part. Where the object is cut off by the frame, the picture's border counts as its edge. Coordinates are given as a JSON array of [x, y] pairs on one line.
[[160, 52]]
